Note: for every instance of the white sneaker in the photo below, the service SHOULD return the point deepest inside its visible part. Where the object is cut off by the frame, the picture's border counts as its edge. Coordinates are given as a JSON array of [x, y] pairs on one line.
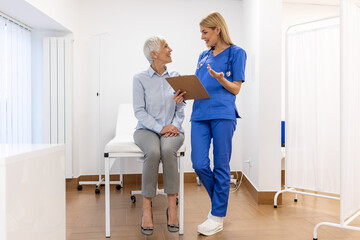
[[215, 218], [210, 227]]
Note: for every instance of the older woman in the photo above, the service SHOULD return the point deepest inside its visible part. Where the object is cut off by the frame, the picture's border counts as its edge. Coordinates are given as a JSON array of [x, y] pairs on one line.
[[159, 133]]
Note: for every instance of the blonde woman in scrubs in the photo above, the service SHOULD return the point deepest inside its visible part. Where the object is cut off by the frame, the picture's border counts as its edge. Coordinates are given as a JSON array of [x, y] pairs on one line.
[[221, 69]]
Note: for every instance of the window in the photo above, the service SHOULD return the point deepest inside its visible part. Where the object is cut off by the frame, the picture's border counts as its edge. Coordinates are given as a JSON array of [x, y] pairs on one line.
[[15, 83]]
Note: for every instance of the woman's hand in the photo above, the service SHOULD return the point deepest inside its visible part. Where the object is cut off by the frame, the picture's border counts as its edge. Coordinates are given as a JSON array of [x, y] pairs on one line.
[[214, 74], [232, 87], [178, 97], [170, 131]]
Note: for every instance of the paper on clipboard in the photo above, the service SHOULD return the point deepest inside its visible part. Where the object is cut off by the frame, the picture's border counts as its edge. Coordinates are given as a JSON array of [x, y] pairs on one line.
[[190, 84]]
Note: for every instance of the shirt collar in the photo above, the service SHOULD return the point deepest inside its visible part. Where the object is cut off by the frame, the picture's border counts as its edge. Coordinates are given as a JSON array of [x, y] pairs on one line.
[[152, 72]]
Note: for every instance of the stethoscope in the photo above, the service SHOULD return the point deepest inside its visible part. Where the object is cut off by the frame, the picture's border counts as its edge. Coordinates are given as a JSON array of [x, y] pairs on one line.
[[228, 72]]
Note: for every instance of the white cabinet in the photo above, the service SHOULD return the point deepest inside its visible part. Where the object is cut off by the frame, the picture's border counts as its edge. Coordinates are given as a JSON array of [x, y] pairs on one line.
[[32, 192]]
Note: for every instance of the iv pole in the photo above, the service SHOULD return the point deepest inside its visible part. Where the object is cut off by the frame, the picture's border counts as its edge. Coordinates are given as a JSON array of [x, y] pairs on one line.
[[101, 180]]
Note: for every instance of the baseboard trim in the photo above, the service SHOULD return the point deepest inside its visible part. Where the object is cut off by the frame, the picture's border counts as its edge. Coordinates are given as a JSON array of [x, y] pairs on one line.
[[261, 197], [129, 178]]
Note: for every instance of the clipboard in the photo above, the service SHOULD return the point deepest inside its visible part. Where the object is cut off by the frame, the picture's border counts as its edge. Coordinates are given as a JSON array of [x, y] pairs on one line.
[[190, 84]]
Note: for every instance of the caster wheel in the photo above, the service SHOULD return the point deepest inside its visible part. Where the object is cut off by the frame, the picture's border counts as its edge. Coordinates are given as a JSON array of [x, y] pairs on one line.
[[97, 191], [133, 199], [177, 201], [118, 187], [275, 206], [295, 200], [79, 187]]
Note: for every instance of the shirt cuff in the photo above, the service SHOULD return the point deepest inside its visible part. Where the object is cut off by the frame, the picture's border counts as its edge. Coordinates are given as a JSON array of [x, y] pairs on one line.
[[158, 128], [176, 124]]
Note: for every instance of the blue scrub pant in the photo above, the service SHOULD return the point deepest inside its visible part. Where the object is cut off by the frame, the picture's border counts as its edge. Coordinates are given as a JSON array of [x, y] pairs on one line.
[[216, 182]]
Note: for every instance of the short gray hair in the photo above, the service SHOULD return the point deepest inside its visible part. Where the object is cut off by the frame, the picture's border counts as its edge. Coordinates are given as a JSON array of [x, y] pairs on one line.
[[152, 44]]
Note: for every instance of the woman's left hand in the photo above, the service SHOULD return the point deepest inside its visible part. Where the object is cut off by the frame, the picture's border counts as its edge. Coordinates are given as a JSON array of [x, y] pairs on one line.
[[169, 131], [232, 87], [215, 74]]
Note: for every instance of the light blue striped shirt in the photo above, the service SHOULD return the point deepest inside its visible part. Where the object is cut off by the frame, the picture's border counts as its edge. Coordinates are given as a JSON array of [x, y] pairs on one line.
[[153, 102]]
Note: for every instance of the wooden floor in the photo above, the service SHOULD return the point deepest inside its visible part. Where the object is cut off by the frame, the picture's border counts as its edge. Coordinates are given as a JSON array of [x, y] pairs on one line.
[[245, 219]]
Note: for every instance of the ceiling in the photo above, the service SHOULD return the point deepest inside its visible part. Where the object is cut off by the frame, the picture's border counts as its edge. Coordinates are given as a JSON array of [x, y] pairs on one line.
[[315, 2], [27, 14]]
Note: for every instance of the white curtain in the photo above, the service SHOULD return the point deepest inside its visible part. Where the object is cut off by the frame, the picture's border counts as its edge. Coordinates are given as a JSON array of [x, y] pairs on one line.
[[15, 83], [313, 108], [350, 109]]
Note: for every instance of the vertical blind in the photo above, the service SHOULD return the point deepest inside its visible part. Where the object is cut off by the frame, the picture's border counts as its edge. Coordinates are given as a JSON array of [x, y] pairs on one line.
[[15, 83]]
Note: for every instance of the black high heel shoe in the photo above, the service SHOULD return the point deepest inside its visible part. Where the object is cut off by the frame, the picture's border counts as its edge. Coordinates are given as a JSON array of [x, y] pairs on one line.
[[171, 227], [147, 230]]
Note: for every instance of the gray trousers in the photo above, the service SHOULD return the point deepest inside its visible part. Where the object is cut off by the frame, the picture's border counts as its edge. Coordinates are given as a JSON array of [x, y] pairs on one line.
[[158, 148]]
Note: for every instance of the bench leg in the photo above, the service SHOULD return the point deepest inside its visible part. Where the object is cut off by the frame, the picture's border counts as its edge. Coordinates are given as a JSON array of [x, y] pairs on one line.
[[181, 196], [107, 196]]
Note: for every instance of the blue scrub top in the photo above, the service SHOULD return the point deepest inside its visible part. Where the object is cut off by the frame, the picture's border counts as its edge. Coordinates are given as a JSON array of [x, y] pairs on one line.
[[221, 104]]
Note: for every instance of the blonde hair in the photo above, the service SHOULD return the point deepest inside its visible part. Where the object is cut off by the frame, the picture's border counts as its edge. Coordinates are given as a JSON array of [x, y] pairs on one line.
[[213, 20]]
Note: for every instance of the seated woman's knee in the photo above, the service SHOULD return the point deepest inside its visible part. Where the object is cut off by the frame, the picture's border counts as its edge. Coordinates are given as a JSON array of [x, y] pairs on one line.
[[153, 154], [168, 152]]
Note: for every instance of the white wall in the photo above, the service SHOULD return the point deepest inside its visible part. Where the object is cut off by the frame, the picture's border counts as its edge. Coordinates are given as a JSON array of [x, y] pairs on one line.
[[270, 95], [124, 26], [261, 102], [250, 91]]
